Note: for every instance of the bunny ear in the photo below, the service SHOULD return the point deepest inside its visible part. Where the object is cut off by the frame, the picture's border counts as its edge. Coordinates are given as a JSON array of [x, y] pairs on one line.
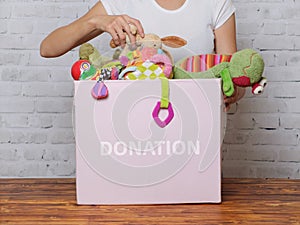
[[174, 41]]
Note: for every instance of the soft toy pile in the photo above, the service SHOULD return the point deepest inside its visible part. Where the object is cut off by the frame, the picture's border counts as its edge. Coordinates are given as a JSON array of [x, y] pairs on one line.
[[145, 59], [148, 59]]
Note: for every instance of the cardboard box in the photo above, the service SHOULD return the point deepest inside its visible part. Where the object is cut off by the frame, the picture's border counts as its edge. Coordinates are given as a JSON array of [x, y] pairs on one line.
[[124, 157]]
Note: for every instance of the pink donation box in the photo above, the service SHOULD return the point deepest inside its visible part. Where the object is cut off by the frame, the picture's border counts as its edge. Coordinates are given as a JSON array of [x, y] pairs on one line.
[[123, 156]]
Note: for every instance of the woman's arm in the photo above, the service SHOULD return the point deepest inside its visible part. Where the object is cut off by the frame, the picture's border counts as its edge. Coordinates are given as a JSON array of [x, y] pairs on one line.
[[225, 37], [225, 43], [89, 26]]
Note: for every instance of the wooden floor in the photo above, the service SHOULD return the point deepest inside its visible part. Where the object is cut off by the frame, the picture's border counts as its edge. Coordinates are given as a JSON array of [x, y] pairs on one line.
[[245, 201]]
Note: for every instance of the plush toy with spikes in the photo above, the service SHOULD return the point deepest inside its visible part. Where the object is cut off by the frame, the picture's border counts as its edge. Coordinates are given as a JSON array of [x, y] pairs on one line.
[[243, 68], [88, 52]]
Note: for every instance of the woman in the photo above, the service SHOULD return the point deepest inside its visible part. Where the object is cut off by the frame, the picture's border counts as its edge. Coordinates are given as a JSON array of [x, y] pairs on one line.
[[207, 25]]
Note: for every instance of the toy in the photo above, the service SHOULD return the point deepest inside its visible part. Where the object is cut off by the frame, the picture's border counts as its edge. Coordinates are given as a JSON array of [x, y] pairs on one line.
[[147, 58], [147, 69], [244, 68], [163, 104], [99, 90], [82, 69], [88, 52], [148, 54], [151, 44]]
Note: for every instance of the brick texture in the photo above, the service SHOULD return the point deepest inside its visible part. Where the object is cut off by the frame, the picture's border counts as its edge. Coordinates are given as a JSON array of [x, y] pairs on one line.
[[36, 94]]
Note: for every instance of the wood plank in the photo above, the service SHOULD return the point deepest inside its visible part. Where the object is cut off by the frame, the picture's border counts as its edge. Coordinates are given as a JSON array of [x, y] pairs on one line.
[[245, 201]]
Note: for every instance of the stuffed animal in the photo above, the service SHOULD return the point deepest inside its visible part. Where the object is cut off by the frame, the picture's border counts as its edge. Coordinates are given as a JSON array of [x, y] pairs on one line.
[[147, 57], [88, 52], [150, 45], [244, 68]]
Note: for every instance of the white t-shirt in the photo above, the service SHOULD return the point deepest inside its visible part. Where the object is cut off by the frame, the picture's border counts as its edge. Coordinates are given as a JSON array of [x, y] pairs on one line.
[[195, 21]]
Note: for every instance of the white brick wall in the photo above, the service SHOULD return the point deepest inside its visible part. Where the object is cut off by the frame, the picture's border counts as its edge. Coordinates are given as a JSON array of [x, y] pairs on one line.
[[36, 94], [262, 139], [36, 132]]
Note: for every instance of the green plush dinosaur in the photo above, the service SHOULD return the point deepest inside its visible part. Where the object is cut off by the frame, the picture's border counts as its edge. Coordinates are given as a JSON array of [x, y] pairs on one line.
[[244, 68]]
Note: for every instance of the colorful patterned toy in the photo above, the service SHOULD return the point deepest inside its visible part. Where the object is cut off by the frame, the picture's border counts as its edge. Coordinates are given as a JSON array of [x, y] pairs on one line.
[[148, 54], [84, 70], [244, 68]]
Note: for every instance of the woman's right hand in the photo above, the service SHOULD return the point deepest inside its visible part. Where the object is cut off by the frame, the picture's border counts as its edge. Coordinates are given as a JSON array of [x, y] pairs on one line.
[[93, 23], [119, 26]]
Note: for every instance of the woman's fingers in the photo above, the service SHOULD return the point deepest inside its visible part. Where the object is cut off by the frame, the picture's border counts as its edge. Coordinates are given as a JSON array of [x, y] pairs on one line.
[[239, 93], [137, 24], [119, 27]]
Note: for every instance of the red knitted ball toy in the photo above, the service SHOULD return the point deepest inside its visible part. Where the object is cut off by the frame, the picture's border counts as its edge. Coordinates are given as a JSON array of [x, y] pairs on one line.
[[77, 68]]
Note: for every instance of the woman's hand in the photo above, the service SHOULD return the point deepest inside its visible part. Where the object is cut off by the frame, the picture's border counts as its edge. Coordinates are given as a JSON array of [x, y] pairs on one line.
[[119, 26], [93, 23], [239, 93]]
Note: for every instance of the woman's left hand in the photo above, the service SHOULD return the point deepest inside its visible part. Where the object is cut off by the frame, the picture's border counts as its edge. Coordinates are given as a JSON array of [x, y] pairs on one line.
[[239, 93]]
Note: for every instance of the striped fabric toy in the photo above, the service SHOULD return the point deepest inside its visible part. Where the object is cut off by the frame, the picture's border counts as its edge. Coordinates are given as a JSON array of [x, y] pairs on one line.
[[200, 63]]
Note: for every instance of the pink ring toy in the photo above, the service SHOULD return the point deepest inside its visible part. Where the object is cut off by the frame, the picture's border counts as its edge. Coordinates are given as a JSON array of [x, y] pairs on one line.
[[158, 121]]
